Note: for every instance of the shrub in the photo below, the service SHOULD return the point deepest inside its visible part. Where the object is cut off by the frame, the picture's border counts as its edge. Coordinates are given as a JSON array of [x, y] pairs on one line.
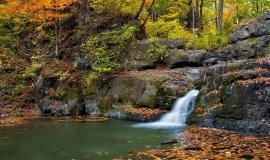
[[10, 28], [209, 41], [107, 47], [156, 51], [166, 29], [61, 92], [91, 82]]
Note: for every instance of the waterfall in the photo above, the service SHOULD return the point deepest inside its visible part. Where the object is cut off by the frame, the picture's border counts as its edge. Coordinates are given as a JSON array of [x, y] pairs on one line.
[[177, 116]]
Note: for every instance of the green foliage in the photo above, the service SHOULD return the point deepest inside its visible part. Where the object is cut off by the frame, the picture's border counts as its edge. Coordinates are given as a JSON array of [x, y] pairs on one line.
[[91, 82], [130, 104], [11, 92], [156, 51], [31, 71], [175, 10], [61, 92], [107, 47], [10, 28], [209, 41]]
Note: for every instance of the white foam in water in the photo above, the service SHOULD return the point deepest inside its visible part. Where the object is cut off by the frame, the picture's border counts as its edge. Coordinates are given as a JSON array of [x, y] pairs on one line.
[[177, 116]]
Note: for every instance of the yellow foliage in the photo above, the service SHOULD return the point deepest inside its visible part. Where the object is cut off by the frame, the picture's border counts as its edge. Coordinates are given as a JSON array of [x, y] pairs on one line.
[[166, 29], [116, 7]]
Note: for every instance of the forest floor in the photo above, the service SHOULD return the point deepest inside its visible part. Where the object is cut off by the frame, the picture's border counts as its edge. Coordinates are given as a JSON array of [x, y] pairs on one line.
[[209, 143]]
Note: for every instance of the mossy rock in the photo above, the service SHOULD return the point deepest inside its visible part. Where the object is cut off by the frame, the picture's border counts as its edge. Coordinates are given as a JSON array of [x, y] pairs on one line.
[[73, 93], [149, 97]]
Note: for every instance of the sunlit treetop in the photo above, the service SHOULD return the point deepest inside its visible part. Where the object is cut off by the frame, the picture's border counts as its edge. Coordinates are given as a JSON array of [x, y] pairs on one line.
[[40, 11]]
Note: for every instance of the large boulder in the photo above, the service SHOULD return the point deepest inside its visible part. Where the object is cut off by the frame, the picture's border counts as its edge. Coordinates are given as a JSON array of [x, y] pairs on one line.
[[181, 58], [143, 45], [173, 43], [176, 58], [139, 65], [196, 56]]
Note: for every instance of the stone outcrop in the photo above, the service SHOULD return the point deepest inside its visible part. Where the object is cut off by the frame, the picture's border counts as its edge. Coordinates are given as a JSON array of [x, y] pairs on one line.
[[260, 27], [252, 40], [58, 94], [150, 88], [236, 96], [138, 57]]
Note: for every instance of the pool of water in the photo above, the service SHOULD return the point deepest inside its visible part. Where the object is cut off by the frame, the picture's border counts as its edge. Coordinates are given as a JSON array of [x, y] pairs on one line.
[[47, 140]]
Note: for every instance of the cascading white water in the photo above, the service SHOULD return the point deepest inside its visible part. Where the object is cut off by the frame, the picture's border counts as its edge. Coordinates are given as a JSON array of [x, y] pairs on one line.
[[177, 116]]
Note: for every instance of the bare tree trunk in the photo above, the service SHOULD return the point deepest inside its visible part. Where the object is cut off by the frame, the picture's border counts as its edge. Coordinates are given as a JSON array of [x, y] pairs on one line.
[[150, 11], [140, 10], [190, 20], [201, 15], [216, 21], [56, 32], [197, 13], [237, 13], [220, 16], [257, 7], [85, 11], [193, 18]]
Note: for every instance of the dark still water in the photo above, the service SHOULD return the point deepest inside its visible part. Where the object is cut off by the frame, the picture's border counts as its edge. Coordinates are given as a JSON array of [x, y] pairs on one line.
[[47, 140]]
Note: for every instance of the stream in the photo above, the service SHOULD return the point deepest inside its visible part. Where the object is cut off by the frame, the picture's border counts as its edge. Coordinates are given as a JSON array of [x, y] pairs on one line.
[[53, 140]]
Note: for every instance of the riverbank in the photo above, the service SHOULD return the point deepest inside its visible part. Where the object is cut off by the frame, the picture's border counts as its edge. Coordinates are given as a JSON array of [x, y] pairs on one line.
[[12, 121], [209, 143]]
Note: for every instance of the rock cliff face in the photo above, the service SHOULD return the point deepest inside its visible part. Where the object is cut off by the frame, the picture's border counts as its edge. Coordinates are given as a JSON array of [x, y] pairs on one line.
[[236, 94], [236, 97]]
